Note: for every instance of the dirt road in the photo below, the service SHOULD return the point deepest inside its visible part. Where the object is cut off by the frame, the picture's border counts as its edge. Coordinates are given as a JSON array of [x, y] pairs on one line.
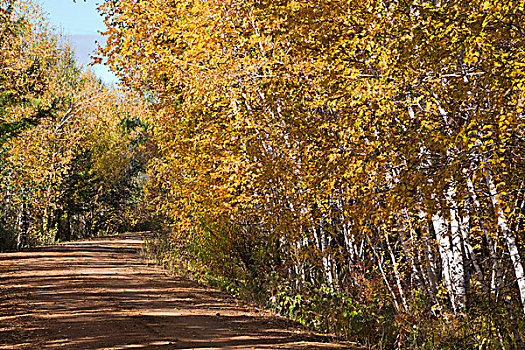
[[100, 294]]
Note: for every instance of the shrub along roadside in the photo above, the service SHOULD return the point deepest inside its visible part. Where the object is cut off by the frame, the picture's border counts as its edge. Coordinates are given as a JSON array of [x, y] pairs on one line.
[[366, 315]]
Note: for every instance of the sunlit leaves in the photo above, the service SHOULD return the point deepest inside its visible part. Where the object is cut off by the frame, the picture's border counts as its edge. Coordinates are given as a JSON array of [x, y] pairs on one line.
[[65, 160], [314, 128]]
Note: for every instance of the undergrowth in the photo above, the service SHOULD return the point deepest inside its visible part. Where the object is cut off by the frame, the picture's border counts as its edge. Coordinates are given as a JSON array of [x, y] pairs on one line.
[[365, 314]]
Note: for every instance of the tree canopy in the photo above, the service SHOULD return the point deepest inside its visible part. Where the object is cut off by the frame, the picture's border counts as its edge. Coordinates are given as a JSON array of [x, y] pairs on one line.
[[365, 149], [65, 156]]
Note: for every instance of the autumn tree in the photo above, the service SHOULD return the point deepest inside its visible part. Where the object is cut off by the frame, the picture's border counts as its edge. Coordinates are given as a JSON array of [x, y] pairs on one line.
[[66, 155], [347, 158]]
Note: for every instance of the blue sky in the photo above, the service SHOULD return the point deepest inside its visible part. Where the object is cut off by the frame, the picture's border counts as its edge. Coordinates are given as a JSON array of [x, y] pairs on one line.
[[83, 23]]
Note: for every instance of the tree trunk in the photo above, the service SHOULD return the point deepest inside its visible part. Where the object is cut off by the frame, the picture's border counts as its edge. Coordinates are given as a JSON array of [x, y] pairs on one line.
[[445, 252], [459, 278], [383, 274], [503, 227], [397, 276]]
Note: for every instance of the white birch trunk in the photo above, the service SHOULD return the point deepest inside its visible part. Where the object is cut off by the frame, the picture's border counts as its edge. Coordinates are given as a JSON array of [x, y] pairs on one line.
[[396, 274], [457, 262], [445, 252], [496, 270], [383, 274], [507, 235], [326, 259], [320, 240], [429, 258]]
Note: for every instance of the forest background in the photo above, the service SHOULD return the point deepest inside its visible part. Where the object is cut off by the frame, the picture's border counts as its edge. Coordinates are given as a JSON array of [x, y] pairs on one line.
[[355, 165]]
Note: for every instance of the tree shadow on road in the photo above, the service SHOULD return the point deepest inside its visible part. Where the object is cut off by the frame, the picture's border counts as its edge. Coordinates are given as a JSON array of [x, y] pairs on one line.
[[100, 295]]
